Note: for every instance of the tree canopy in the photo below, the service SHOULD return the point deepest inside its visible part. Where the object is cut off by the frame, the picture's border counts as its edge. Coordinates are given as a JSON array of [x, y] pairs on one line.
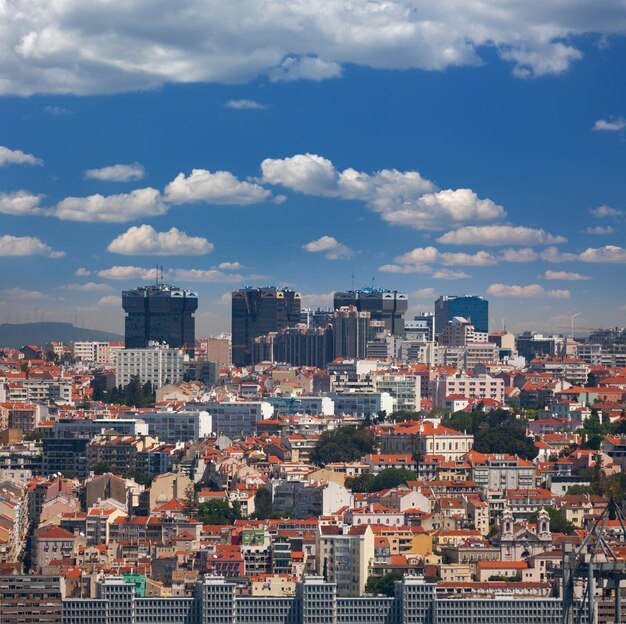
[[134, 394], [558, 521], [218, 512], [497, 431], [344, 444], [262, 504], [384, 585]]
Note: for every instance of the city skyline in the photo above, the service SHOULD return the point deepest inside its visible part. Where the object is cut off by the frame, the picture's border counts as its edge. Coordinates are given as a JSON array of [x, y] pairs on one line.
[[490, 165]]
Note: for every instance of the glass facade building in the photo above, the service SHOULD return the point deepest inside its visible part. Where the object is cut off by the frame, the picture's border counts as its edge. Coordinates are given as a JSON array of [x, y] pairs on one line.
[[471, 307], [159, 313], [259, 311]]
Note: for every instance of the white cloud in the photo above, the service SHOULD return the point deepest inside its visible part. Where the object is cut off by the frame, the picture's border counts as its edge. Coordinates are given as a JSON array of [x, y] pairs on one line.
[[424, 293], [22, 294], [450, 274], [526, 254], [533, 291], [220, 187], [144, 240], [330, 247], [564, 275], [612, 125], [499, 235], [118, 272], [16, 157], [117, 173], [422, 256], [400, 197], [608, 254], [20, 203], [600, 230], [405, 268], [137, 204], [245, 105], [26, 246], [205, 275], [95, 47], [606, 211], [229, 266], [305, 68], [434, 211], [552, 254], [110, 300], [82, 272], [58, 111], [319, 300], [88, 287]]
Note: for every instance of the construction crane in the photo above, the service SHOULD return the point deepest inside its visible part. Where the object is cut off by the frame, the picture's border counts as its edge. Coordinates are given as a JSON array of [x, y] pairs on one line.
[[594, 559]]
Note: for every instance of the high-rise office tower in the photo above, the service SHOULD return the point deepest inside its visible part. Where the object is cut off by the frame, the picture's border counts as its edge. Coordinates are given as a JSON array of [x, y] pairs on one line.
[[471, 307], [259, 311], [352, 330], [384, 305], [159, 313]]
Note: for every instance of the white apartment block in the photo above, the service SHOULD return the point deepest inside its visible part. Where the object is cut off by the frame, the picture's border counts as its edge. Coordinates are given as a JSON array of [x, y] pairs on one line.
[[235, 418], [471, 387], [96, 352], [158, 365], [181, 426], [405, 390]]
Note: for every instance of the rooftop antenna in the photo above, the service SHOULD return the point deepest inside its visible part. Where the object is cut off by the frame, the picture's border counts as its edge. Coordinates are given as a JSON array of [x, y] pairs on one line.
[[157, 275], [161, 274], [352, 280]]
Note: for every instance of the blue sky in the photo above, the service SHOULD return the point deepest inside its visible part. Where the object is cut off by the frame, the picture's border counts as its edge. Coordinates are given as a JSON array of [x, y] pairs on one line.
[[319, 158]]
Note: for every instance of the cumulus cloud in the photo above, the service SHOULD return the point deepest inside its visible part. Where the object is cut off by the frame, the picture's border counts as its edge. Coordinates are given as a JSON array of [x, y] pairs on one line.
[[245, 105], [229, 266], [534, 291], [400, 197], [137, 204], [118, 272], [117, 173], [220, 187], [23, 294], [88, 287], [499, 235], [600, 230], [405, 268], [606, 211], [144, 240], [20, 203], [552, 254], [110, 300], [564, 275], [526, 254], [318, 300], [17, 157], [58, 111], [614, 124], [450, 274], [305, 68], [26, 246], [608, 254], [205, 275], [418, 259], [82, 272], [330, 247], [94, 47], [424, 293]]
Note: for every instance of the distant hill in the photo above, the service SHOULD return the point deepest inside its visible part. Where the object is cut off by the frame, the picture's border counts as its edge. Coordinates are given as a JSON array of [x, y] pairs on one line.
[[18, 335]]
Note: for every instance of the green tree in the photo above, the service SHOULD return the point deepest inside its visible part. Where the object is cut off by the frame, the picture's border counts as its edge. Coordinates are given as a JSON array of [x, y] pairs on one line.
[[391, 477], [218, 512], [384, 585], [100, 468], [558, 521], [344, 444], [361, 483], [404, 415], [262, 504], [574, 490]]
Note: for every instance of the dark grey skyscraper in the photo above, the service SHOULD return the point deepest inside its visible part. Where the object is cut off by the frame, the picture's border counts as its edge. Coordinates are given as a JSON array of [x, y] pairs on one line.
[[383, 305], [259, 311], [471, 307], [159, 313]]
